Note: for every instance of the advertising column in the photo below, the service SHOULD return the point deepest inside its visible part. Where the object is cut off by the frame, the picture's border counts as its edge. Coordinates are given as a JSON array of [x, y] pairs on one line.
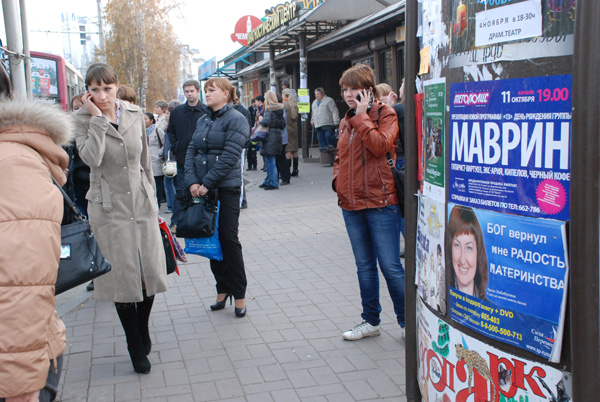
[[492, 256]]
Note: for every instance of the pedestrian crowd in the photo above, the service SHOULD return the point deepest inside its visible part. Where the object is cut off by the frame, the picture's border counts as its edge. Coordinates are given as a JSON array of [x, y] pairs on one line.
[[116, 162]]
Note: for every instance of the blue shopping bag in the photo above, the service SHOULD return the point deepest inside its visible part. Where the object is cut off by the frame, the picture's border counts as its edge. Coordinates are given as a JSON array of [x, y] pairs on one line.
[[208, 247]]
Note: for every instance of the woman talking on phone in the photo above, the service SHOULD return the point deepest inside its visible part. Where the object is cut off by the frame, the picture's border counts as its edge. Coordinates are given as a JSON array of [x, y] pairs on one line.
[[122, 207], [366, 193]]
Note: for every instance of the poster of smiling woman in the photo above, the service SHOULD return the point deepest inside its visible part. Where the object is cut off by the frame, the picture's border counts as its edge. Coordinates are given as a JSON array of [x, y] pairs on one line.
[[508, 277]]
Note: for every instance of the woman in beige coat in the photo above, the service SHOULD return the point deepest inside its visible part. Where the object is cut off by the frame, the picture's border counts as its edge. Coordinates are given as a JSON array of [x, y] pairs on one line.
[[122, 208], [32, 337]]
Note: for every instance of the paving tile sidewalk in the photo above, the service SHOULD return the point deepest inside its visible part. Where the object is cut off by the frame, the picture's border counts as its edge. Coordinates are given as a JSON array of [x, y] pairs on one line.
[[302, 294]]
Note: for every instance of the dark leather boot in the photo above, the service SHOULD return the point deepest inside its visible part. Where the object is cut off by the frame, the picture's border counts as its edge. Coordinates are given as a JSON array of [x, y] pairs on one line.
[[143, 316], [294, 167], [128, 316]]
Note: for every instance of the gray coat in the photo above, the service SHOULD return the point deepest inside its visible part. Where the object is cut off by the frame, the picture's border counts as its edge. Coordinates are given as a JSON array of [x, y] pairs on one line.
[[214, 155], [156, 143], [122, 204]]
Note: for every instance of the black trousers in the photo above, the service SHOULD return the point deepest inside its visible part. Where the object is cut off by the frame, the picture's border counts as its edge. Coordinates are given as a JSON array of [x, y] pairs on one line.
[[282, 166], [252, 160], [230, 273]]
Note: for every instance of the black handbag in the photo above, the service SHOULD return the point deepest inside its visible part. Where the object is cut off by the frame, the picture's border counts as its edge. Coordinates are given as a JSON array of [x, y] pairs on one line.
[[398, 180], [198, 215], [80, 257]]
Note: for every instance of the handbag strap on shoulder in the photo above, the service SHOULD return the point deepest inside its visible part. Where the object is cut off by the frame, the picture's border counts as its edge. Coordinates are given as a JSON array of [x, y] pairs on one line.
[[70, 203]]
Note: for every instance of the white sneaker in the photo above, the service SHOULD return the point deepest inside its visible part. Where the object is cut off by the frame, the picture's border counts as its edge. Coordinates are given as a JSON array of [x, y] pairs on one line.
[[360, 331], [403, 333]]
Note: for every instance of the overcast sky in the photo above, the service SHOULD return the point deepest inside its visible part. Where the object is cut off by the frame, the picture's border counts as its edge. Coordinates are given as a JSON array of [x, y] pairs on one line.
[[207, 25]]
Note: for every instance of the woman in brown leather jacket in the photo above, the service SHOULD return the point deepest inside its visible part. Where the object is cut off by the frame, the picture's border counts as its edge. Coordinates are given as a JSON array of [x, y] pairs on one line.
[[366, 193]]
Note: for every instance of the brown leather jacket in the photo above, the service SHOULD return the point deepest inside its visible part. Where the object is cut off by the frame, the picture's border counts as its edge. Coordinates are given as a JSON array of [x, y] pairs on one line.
[[361, 175]]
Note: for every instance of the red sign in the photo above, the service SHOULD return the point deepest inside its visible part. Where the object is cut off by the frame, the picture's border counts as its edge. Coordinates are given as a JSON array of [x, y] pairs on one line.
[[244, 25]]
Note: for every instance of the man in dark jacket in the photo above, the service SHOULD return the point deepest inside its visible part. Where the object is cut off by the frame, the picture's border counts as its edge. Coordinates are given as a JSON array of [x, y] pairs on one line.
[[182, 124]]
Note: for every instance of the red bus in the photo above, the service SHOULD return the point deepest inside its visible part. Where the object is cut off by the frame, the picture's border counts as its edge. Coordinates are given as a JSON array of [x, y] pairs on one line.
[[54, 79]]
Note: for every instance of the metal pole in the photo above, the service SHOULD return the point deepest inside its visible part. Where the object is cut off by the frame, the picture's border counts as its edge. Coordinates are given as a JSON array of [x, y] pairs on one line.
[[304, 85], [14, 42], [100, 31], [411, 61], [585, 214], [25, 32], [272, 69]]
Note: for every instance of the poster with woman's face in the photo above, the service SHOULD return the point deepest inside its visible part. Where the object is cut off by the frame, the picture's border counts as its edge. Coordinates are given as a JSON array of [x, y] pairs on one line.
[[508, 277]]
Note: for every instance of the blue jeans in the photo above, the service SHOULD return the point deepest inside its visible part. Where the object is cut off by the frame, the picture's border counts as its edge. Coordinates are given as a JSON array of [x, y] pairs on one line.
[[272, 178], [326, 137], [179, 189], [375, 237], [170, 192]]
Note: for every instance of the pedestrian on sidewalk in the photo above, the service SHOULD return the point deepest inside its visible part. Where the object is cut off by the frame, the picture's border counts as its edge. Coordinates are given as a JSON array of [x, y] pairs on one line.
[[156, 143], [169, 181], [367, 195], [32, 339], [291, 149], [182, 123], [122, 207], [213, 163], [273, 119]]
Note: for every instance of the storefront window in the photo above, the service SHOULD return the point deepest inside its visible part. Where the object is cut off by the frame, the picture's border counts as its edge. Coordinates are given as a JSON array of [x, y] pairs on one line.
[[386, 72], [369, 62]]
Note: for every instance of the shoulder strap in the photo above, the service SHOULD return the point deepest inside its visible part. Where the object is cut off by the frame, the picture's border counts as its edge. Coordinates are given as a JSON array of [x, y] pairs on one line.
[[158, 136], [70, 203]]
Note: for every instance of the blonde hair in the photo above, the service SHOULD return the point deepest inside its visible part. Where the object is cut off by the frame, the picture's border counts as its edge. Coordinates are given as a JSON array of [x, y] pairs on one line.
[[291, 100], [382, 90]]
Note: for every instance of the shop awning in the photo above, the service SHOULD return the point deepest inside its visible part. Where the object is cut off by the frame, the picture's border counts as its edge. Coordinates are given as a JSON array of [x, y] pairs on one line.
[[318, 22], [362, 24], [263, 64]]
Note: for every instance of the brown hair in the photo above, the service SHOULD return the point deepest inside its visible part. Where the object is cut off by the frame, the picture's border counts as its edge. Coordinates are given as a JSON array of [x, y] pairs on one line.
[[127, 94], [462, 220], [99, 73], [224, 85], [5, 87], [359, 76], [76, 97], [190, 83]]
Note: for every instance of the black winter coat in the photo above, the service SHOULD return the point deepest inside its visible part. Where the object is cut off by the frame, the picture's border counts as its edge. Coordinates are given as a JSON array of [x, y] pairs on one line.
[[182, 124], [273, 118], [214, 156]]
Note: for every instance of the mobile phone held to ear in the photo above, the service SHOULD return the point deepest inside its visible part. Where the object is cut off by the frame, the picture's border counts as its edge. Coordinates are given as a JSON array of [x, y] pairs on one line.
[[358, 97]]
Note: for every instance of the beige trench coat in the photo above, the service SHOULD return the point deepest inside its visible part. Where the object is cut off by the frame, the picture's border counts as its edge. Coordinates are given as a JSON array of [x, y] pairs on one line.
[[122, 204]]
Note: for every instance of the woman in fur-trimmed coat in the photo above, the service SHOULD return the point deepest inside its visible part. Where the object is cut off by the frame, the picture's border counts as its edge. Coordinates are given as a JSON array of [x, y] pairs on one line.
[[32, 336]]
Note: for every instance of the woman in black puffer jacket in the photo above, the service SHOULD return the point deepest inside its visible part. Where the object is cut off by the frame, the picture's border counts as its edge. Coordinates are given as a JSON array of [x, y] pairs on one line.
[[213, 162], [273, 119]]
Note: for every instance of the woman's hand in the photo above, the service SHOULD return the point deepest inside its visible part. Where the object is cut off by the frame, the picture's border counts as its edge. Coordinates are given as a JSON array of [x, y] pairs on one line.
[[198, 190], [30, 397], [363, 104], [89, 105]]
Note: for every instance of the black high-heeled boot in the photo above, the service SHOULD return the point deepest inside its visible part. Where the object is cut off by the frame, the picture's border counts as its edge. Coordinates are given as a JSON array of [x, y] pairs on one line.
[[128, 316], [240, 312], [221, 305], [294, 167], [143, 317]]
